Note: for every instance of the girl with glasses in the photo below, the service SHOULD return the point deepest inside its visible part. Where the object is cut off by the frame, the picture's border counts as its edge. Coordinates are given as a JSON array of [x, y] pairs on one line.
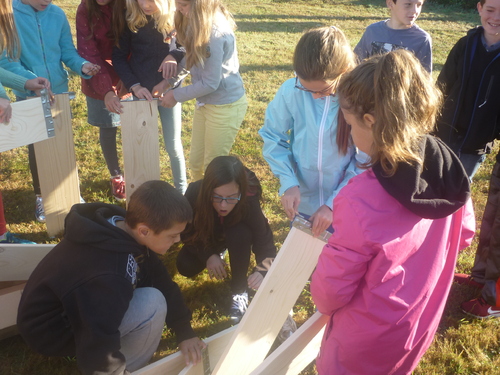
[[305, 142], [227, 215]]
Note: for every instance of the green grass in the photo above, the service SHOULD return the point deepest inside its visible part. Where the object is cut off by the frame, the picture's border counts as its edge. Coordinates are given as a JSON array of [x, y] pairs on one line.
[[267, 34]]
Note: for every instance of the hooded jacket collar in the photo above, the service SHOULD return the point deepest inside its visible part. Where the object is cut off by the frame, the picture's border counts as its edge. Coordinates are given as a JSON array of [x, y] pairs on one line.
[[432, 191]]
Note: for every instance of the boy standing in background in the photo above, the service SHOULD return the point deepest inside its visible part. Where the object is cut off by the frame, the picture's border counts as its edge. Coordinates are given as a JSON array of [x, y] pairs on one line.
[[399, 31]]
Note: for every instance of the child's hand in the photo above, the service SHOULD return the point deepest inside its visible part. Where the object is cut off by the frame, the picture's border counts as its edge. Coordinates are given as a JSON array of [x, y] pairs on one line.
[[191, 350], [37, 84], [216, 267], [112, 102], [254, 280], [5, 111], [90, 69], [290, 201], [168, 99], [168, 67], [321, 220], [142, 93], [160, 88]]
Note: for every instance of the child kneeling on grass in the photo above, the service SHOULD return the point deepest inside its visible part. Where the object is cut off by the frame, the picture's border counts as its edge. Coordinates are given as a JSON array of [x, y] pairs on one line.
[[102, 293], [384, 276]]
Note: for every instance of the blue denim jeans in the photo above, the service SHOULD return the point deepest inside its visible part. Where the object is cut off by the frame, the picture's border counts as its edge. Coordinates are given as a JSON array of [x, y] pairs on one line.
[[171, 124], [471, 163], [141, 327]]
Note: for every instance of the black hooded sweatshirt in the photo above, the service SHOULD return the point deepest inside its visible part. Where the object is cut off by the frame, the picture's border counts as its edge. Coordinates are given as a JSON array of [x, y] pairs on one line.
[[78, 294]]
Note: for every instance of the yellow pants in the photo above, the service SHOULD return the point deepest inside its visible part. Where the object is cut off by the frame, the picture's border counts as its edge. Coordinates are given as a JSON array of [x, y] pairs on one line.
[[214, 130]]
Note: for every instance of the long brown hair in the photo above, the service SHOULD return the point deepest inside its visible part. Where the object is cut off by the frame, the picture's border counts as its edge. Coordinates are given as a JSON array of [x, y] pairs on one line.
[[221, 171], [9, 40], [324, 54], [402, 98]]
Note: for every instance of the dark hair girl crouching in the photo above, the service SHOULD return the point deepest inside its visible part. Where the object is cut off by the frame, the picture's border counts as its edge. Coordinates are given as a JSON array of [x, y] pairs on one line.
[[227, 215]]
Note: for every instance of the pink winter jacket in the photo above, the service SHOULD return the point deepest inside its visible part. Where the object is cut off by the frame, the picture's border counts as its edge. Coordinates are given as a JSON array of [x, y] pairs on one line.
[[383, 278]]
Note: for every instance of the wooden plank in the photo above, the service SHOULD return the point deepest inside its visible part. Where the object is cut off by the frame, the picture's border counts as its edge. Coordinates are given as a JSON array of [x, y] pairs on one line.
[[57, 170], [9, 302], [174, 364], [17, 262], [296, 352], [272, 302], [26, 126], [141, 145]]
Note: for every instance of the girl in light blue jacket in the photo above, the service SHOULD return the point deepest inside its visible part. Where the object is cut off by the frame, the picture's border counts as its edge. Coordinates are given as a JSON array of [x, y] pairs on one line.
[[305, 144], [46, 43]]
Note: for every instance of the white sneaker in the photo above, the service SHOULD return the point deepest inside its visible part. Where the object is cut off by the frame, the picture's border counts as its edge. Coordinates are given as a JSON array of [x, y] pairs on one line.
[[239, 307]]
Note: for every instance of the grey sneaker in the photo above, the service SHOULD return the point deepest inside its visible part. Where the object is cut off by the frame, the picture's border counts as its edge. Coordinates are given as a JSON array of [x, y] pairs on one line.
[[239, 307], [289, 327], [39, 210]]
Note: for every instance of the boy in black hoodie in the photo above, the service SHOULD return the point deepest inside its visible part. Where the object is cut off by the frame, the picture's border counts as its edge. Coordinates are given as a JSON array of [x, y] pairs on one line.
[[470, 119], [102, 293]]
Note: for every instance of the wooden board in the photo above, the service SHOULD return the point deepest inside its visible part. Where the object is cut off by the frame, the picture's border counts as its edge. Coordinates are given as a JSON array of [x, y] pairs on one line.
[[17, 262], [9, 302], [56, 162], [141, 145], [271, 304], [296, 352], [26, 126], [174, 364]]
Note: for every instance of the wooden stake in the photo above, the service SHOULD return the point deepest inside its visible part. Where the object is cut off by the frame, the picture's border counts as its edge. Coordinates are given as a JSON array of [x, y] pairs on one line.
[[56, 162], [140, 139]]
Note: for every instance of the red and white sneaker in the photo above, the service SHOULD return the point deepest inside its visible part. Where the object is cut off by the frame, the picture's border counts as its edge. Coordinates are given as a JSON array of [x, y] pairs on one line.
[[118, 188], [479, 308], [464, 279]]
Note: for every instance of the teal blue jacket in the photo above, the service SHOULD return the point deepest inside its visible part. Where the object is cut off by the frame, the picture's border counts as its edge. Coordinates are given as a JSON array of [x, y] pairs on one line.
[[300, 146], [11, 80], [46, 43]]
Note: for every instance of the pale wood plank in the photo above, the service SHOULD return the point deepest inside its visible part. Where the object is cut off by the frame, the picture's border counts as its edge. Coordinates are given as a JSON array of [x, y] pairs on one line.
[[17, 262], [26, 126], [174, 364], [9, 302], [296, 352], [270, 306], [56, 163], [140, 140]]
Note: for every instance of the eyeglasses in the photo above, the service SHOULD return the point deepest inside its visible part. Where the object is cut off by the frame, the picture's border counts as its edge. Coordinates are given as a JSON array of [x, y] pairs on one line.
[[323, 92], [232, 200]]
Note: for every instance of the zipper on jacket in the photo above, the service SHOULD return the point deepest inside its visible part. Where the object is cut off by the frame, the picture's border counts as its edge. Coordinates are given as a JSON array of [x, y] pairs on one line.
[[490, 85], [320, 150], [43, 47]]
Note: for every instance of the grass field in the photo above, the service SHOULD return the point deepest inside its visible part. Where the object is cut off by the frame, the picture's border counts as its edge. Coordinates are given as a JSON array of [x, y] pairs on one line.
[[267, 33]]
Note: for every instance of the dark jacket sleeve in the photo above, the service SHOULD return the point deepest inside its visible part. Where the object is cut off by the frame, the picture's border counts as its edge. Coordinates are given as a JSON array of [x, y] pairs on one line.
[[263, 242], [450, 73], [178, 53], [178, 314], [120, 59], [95, 319]]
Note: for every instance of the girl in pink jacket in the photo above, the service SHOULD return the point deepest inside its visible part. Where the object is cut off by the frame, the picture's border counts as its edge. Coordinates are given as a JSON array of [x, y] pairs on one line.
[[384, 276]]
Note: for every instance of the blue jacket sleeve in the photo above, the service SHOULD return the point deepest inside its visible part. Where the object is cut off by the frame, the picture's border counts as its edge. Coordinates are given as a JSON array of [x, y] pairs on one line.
[[277, 134], [69, 54]]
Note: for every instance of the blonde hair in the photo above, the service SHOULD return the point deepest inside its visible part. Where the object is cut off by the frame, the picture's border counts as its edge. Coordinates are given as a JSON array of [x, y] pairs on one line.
[[323, 54], [403, 99], [194, 31], [9, 40], [164, 18]]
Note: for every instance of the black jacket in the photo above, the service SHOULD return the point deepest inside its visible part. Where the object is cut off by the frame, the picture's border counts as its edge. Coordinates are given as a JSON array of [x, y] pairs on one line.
[[140, 54], [470, 119], [78, 294]]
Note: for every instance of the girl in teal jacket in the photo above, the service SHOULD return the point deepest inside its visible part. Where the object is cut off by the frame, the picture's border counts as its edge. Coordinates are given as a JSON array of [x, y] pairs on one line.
[[311, 155]]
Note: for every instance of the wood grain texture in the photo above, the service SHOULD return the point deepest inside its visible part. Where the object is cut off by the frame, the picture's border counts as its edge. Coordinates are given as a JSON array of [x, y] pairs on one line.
[[26, 126], [17, 262], [140, 142]]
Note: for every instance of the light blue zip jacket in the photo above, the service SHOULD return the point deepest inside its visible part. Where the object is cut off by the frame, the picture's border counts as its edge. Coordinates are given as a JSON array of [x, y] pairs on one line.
[[300, 146], [46, 43]]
